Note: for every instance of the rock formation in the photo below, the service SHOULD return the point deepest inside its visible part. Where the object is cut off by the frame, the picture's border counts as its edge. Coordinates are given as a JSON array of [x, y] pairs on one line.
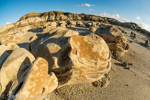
[[13, 67], [71, 23], [115, 40], [62, 24], [5, 51], [147, 43], [76, 59], [37, 83], [33, 17], [14, 35]]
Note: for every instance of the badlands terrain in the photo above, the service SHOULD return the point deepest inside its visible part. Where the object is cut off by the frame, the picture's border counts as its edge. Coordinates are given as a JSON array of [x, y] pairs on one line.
[[64, 56]]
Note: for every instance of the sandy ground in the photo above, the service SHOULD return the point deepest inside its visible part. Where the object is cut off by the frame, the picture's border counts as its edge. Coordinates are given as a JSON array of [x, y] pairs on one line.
[[132, 84]]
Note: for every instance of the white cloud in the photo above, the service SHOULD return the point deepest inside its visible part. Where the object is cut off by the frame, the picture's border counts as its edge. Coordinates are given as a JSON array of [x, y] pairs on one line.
[[116, 16], [90, 9], [8, 23], [144, 26], [62, 9], [86, 5], [138, 18]]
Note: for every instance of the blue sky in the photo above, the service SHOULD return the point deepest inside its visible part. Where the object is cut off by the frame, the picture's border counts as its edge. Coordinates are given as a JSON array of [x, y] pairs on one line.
[[137, 11]]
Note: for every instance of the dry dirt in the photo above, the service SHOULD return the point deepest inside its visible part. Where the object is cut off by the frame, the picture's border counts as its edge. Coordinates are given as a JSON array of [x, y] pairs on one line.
[[125, 84]]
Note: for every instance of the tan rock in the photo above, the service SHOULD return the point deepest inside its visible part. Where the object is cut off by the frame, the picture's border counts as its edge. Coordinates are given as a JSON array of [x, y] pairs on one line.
[[77, 60], [38, 83], [109, 30], [18, 33], [47, 29], [89, 59], [5, 51], [72, 23], [50, 43], [93, 24], [115, 40], [53, 24], [14, 65], [93, 29], [7, 47], [89, 24], [79, 23], [62, 24]]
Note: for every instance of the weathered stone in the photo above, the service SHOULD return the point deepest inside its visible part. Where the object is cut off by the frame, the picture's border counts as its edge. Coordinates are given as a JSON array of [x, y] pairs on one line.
[[89, 24], [53, 24], [18, 33], [109, 30], [89, 57], [62, 24], [116, 42], [93, 24], [146, 43], [14, 66], [52, 44], [5, 51], [47, 29], [77, 60], [38, 83], [71, 23], [79, 23], [93, 29]]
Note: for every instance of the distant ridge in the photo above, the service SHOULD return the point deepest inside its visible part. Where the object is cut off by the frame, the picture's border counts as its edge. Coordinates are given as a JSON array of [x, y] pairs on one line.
[[49, 16]]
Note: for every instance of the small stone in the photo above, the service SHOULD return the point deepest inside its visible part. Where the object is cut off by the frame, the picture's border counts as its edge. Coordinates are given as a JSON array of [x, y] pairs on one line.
[[146, 43], [125, 64], [130, 41], [126, 85]]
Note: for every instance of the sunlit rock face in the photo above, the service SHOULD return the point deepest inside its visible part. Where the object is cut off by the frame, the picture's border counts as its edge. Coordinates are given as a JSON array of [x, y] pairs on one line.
[[115, 40], [38, 83], [14, 65], [73, 58], [15, 35]]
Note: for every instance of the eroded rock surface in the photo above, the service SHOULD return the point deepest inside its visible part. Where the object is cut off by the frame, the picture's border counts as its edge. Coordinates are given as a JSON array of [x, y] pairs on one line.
[[74, 59], [89, 57], [38, 83], [14, 66], [5, 51], [115, 40], [15, 35]]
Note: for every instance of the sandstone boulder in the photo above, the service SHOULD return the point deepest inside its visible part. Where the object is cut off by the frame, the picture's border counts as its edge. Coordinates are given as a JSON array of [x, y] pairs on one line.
[[76, 59], [93, 29], [89, 24], [62, 24], [5, 51], [38, 83], [53, 24], [109, 30], [13, 67], [71, 23], [47, 29], [53, 39], [89, 59], [80, 24], [147, 43], [93, 24], [15, 35], [115, 40]]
